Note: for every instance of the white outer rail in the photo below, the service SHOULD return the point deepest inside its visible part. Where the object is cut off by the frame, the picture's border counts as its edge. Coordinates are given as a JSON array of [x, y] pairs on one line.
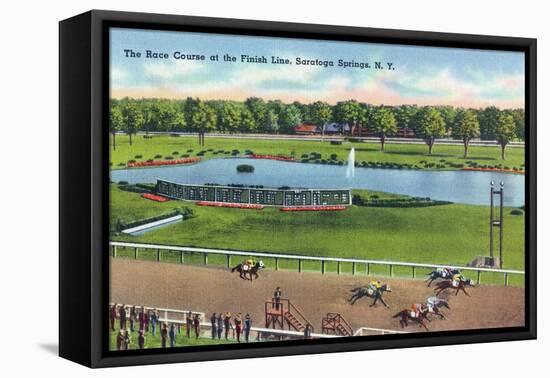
[[301, 258]]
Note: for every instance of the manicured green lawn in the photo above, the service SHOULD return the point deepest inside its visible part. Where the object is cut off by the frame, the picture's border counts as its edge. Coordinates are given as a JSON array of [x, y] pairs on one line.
[[152, 342], [447, 234], [395, 153]]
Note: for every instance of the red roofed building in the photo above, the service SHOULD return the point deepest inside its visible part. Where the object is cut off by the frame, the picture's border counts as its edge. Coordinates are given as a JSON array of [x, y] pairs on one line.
[[306, 129]]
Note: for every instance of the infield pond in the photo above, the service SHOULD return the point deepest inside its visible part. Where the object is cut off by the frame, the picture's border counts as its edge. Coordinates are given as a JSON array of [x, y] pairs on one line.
[[465, 187]]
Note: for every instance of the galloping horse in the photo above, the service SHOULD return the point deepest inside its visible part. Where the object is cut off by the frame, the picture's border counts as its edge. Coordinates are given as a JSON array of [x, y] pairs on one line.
[[434, 304], [445, 274], [450, 284], [244, 269], [417, 317], [370, 292]]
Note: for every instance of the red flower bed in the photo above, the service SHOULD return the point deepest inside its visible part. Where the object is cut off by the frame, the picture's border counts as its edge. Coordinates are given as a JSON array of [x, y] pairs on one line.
[[231, 205], [273, 157], [492, 170], [314, 208], [163, 162], [154, 197]]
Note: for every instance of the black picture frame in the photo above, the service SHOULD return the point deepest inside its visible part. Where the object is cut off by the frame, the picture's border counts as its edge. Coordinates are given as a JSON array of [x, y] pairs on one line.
[[83, 197]]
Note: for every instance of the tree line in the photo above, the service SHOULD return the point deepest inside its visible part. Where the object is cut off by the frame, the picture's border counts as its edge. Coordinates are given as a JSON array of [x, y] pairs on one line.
[[255, 115]]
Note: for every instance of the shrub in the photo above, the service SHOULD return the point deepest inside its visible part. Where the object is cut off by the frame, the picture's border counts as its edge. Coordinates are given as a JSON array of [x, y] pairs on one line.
[[305, 156], [336, 142], [158, 156], [333, 157], [138, 156], [175, 153], [123, 183], [168, 157], [190, 150], [516, 212], [131, 161], [245, 168]]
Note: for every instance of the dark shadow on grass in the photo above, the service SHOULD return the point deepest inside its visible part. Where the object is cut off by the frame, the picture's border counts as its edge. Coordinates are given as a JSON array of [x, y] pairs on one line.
[[415, 153], [51, 348], [477, 158]]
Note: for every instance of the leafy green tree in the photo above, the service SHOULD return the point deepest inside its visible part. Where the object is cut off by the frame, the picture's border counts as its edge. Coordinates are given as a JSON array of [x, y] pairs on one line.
[[505, 131], [289, 118], [519, 120], [349, 112], [271, 122], [448, 113], [465, 128], [132, 117], [204, 117], [116, 121], [258, 108], [429, 126], [229, 117], [382, 122], [320, 114], [488, 122], [404, 116], [248, 124]]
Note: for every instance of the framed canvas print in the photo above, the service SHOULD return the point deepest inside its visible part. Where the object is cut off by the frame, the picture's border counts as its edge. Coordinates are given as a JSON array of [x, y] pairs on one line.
[[233, 188]]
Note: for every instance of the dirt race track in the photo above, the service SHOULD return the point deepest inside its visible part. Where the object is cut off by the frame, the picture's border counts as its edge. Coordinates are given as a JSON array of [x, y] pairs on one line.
[[212, 289]]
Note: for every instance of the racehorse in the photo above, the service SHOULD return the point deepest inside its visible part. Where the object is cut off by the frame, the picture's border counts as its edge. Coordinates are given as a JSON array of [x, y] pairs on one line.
[[370, 292], [245, 269], [441, 273], [450, 284], [433, 304], [405, 315]]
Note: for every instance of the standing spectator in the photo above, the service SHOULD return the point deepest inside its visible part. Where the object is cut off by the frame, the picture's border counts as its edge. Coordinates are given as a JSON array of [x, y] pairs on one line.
[[227, 323], [188, 324], [219, 325], [213, 324], [122, 316], [146, 320], [154, 319], [132, 317], [172, 335], [112, 316], [307, 331], [247, 326], [197, 325], [238, 326], [163, 334], [141, 318], [120, 340], [141, 340], [127, 339], [277, 297]]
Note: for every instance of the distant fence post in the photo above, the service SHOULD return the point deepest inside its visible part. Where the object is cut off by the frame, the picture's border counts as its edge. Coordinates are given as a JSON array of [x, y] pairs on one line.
[[114, 251], [228, 261], [339, 267], [158, 254], [368, 269], [414, 271], [276, 263], [300, 265], [206, 259], [323, 267], [181, 257], [478, 277], [391, 270], [135, 253], [353, 268]]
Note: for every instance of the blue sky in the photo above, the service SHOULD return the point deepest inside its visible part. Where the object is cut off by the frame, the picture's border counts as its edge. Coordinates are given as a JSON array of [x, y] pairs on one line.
[[422, 75]]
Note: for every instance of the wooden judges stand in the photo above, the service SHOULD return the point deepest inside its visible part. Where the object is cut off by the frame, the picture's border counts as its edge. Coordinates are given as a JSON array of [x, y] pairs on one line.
[[279, 313], [335, 324]]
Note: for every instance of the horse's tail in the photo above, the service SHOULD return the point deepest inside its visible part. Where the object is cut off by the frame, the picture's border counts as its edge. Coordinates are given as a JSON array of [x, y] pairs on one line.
[[353, 290], [235, 268]]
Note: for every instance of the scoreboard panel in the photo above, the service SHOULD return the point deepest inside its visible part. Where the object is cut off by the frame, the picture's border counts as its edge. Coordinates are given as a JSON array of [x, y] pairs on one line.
[[264, 196]]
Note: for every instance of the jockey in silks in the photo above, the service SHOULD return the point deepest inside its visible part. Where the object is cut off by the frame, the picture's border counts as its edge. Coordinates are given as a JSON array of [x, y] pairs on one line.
[[375, 285], [417, 309], [457, 278], [248, 264]]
